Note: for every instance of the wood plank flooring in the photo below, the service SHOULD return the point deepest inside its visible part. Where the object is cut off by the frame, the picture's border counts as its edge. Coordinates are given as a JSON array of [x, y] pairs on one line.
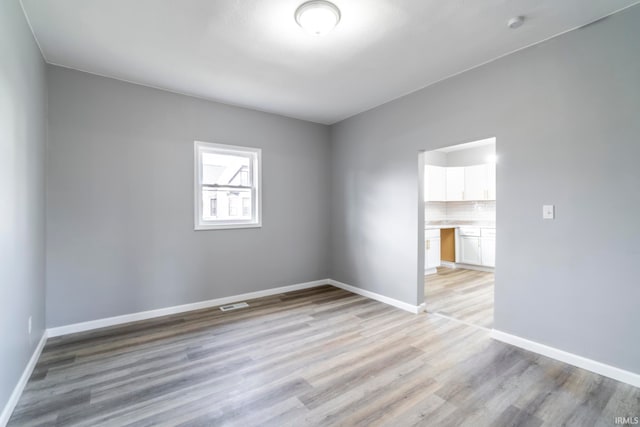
[[318, 357], [465, 295]]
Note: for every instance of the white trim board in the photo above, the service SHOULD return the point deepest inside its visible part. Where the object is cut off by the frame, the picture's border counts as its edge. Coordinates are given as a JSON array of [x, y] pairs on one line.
[[144, 315], [474, 267], [378, 297], [570, 358], [430, 271], [454, 265], [22, 382]]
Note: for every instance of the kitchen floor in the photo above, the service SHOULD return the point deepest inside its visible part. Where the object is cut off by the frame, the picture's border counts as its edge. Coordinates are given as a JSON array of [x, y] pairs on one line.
[[465, 295]]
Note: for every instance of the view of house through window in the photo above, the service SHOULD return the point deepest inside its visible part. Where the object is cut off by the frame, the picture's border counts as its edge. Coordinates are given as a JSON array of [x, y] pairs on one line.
[[227, 186]]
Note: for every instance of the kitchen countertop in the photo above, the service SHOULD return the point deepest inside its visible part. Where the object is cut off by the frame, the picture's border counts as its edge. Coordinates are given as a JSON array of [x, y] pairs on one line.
[[457, 224]]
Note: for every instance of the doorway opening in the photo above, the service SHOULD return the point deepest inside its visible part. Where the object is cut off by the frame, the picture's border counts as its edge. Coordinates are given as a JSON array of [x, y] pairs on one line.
[[459, 190]]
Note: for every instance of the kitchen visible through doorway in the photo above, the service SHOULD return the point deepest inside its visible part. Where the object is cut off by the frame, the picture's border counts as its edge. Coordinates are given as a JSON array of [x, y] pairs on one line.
[[460, 231]]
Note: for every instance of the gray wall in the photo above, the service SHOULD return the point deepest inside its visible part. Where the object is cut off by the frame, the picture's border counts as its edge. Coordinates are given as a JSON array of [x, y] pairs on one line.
[[120, 235], [22, 157], [566, 117]]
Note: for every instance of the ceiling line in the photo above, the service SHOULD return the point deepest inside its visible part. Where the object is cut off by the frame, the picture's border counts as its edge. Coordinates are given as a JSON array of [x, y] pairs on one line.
[[26, 17], [492, 60], [200, 97], [329, 123]]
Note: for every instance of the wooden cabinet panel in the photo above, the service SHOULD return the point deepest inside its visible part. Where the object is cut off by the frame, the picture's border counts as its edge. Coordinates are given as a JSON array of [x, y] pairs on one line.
[[448, 244]]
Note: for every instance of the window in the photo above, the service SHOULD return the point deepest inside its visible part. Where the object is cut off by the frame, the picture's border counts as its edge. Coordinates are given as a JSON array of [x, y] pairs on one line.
[[246, 206], [234, 204], [227, 186], [214, 208]]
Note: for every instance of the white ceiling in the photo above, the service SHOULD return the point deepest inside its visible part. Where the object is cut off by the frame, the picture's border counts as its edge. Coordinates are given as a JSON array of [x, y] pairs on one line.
[[252, 53]]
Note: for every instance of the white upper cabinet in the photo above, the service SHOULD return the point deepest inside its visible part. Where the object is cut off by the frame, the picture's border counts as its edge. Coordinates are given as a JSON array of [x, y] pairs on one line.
[[491, 173], [476, 182], [435, 184], [480, 182], [455, 184]]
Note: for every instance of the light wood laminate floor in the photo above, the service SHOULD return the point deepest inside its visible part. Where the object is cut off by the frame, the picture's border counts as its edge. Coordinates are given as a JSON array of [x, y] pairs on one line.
[[317, 357], [465, 295]]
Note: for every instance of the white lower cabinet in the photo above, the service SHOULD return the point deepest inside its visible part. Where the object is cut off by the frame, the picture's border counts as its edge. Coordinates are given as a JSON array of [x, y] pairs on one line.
[[478, 246], [432, 251], [488, 251], [470, 250]]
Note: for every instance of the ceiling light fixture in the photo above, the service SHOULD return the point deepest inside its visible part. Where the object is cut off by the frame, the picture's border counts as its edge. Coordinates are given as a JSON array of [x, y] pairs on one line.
[[515, 22], [317, 17]]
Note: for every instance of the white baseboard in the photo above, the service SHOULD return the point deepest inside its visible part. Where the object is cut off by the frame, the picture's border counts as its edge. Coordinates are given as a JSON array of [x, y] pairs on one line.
[[378, 297], [144, 315], [22, 382], [455, 265], [570, 358], [475, 267], [430, 271]]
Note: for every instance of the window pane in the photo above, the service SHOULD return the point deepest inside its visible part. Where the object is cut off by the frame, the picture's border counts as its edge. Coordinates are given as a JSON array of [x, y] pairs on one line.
[[227, 186], [223, 204], [213, 210], [246, 206], [225, 169]]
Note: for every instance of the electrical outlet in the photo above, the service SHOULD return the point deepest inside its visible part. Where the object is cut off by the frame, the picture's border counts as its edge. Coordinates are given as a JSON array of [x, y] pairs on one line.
[[548, 212], [29, 325]]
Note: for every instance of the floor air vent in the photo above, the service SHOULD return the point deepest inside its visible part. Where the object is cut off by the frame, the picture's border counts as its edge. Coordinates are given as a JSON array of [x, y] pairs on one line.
[[234, 306]]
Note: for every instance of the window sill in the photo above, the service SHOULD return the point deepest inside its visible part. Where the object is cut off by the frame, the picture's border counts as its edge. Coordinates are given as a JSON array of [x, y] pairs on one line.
[[204, 227]]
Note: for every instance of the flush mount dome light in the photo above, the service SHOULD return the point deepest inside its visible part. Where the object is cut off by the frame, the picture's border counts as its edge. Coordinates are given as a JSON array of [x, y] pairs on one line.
[[515, 22], [317, 17]]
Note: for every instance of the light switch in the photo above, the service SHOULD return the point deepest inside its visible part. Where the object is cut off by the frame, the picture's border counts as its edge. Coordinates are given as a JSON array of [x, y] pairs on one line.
[[548, 211]]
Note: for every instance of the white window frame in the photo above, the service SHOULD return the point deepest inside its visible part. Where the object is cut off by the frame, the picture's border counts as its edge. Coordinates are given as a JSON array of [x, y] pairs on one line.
[[255, 156]]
